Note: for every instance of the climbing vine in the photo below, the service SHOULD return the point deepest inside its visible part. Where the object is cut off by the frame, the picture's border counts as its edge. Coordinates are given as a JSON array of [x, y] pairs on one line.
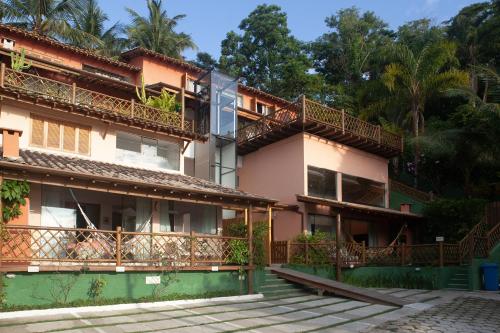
[[13, 195]]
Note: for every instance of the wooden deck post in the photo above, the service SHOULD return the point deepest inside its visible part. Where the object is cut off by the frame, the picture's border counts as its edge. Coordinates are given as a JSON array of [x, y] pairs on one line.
[[2, 75], [403, 254], [307, 251], [183, 106], [378, 134], [250, 250], [441, 254], [363, 253], [337, 246], [193, 247], [288, 251], [269, 233], [343, 121], [73, 93], [118, 246], [132, 107], [303, 109]]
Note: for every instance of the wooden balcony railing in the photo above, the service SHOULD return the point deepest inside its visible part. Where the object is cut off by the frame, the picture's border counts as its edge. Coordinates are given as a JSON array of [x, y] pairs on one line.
[[357, 254], [304, 111], [74, 95], [30, 245]]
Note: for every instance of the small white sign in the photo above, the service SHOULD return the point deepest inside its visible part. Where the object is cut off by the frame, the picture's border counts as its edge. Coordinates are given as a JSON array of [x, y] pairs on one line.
[[439, 239], [215, 268], [33, 269], [153, 279], [120, 269]]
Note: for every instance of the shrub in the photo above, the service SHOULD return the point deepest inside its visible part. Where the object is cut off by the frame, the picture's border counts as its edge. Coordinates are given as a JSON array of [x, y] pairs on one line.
[[452, 218], [259, 232]]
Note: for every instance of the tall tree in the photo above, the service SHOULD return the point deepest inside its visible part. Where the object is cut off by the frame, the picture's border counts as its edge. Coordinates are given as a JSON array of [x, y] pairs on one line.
[[205, 60], [416, 76], [466, 30], [419, 33], [352, 50], [44, 17], [90, 19], [156, 31], [267, 56]]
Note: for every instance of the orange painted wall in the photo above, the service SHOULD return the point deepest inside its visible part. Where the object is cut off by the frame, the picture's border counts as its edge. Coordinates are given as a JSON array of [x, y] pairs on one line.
[[64, 57], [155, 71]]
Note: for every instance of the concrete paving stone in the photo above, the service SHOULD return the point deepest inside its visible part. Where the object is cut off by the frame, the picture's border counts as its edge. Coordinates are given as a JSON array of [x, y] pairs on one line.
[[153, 325], [391, 290], [354, 327], [259, 321], [372, 309], [408, 292]]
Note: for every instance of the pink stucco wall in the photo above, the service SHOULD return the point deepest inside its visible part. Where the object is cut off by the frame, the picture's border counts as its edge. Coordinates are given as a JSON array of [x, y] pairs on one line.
[[279, 171], [276, 171]]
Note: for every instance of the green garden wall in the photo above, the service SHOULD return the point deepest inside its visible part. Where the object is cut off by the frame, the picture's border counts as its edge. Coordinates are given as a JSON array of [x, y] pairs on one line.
[[390, 277], [39, 289]]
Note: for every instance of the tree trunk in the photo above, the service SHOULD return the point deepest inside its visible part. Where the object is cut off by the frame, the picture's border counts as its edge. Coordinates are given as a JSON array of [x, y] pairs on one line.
[[416, 159]]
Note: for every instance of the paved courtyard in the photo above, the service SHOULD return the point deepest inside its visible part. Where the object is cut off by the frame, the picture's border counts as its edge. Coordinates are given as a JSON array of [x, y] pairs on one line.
[[296, 311]]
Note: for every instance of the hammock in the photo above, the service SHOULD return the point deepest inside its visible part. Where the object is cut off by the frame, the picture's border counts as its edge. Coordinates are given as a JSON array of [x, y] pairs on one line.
[[390, 248], [90, 225], [378, 251], [129, 244]]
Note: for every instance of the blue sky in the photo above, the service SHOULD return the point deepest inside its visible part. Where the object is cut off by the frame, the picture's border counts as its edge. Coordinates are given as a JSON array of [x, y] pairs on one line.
[[208, 21]]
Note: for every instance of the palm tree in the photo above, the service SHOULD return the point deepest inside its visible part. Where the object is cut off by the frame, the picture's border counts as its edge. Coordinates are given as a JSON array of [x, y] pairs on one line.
[[156, 31], [90, 19], [44, 17], [415, 77]]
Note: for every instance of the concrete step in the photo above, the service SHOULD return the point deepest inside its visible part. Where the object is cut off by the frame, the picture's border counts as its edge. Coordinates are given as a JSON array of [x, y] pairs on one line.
[[277, 280], [281, 289], [457, 289], [287, 294], [277, 285]]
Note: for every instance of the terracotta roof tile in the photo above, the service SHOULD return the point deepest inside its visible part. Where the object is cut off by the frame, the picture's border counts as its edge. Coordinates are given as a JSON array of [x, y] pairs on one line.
[[115, 172], [55, 43]]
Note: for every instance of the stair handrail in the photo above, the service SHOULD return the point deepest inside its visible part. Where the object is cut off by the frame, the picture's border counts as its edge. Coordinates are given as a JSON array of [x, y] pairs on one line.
[[493, 237], [468, 242]]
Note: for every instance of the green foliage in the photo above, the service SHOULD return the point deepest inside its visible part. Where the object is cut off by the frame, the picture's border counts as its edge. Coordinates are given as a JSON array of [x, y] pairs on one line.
[[259, 232], [121, 300], [60, 288], [96, 287], [317, 237], [267, 56], [45, 17], [238, 253], [205, 60], [156, 31], [90, 19], [165, 102], [319, 246], [406, 280], [18, 62], [13, 196], [451, 218]]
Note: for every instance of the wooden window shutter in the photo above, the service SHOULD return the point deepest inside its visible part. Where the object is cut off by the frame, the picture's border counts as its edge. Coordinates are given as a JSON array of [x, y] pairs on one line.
[[84, 140], [69, 138], [37, 132], [53, 134]]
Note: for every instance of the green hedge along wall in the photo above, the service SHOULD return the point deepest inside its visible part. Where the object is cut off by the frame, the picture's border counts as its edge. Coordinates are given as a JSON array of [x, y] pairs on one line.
[[37, 290]]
